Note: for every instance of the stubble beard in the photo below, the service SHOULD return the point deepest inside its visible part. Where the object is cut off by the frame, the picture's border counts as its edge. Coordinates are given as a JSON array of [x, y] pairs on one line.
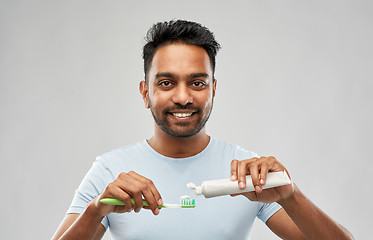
[[186, 131]]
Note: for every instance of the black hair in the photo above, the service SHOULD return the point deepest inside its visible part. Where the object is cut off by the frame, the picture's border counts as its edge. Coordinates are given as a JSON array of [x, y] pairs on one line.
[[164, 33]]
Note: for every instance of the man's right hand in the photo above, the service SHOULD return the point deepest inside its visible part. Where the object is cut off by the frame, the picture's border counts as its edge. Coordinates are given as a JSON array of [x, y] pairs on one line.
[[126, 186]]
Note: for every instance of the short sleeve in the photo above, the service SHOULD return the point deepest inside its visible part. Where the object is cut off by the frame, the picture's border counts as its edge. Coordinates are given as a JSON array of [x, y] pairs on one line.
[[266, 210], [92, 185]]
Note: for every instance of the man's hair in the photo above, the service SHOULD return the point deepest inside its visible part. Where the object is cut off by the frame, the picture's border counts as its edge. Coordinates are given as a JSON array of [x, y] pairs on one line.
[[180, 31]]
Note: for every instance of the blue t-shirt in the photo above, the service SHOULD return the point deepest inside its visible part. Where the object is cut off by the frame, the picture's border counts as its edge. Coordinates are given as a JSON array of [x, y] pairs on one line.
[[223, 217]]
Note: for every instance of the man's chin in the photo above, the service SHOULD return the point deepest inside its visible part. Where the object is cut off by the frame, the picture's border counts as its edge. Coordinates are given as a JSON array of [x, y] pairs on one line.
[[182, 134], [180, 129]]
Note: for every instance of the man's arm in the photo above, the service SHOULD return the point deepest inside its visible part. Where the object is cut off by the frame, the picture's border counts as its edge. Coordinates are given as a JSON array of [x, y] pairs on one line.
[[80, 226], [310, 219], [128, 185], [283, 226], [300, 215]]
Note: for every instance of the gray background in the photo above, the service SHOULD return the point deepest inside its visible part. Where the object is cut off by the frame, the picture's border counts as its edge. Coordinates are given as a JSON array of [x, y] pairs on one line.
[[294, 81]]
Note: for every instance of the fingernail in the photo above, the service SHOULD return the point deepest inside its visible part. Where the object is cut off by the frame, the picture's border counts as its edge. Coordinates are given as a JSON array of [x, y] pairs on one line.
[[262, 181], [156, 211], [160, 202], [241, 185], [233, 177], [257, 189], [137, 210]]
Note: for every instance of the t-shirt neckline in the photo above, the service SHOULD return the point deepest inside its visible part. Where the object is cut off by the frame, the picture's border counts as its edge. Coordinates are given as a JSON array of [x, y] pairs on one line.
[[198, 155]]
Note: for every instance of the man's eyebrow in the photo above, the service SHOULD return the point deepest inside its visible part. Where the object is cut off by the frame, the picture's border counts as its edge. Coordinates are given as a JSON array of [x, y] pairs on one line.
[[164, 74], [171, 75], [198, 75]]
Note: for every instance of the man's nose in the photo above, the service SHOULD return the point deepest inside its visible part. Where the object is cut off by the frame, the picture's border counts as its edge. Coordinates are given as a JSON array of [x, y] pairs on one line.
[[182, 95]]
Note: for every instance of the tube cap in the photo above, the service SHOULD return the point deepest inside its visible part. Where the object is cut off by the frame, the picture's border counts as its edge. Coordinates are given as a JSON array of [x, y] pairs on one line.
[[196, 190]]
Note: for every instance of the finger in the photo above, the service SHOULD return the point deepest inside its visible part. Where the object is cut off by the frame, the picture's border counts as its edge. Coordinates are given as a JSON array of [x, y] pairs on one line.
[[134, 188], [151, 185], [149, 191], [114, 190], [234, 165], [275, 165], [263, 173], [125, 197], [254, 172], [267, 163], [128, 206], [242, 171], [105, 208], [127, 190], [154, 190], [150, 199], [137, 198]]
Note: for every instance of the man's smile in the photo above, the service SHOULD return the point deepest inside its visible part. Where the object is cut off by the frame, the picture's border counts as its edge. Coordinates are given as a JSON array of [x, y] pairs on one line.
[[182, 115]]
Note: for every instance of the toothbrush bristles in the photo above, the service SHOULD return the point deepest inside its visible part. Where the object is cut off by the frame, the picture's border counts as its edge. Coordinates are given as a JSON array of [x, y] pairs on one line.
[[187, 202]]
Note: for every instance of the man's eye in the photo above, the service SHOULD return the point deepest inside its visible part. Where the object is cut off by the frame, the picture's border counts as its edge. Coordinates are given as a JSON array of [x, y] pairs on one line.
[[199, 84], [165, 83]]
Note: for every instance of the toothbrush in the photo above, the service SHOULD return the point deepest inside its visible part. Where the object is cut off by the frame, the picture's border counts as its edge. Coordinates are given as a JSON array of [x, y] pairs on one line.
[[185, 202]]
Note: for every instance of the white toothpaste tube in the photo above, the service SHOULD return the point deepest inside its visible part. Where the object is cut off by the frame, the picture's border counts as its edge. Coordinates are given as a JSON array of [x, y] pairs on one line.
[[215, 188]]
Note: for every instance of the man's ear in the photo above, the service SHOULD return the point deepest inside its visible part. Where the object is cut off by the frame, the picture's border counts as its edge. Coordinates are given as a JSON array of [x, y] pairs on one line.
[[214, 87], [143, 87]]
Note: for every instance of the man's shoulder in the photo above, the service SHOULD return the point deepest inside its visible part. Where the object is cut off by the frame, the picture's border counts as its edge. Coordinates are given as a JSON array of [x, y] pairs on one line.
[[224, 145], [123, 152], [238, 151]]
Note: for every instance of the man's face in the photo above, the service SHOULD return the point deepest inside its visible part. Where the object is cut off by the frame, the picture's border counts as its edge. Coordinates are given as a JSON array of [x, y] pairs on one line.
[[180, 89]]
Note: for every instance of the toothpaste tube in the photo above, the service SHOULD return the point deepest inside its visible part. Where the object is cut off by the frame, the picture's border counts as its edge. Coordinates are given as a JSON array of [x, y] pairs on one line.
[[215, 188]]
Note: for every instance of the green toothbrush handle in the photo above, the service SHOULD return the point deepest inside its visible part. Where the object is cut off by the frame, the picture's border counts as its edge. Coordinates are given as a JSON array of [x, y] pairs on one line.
[[114, 201]]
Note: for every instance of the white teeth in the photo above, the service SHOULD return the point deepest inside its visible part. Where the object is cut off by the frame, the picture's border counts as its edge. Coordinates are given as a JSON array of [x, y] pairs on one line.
[[182, 114]]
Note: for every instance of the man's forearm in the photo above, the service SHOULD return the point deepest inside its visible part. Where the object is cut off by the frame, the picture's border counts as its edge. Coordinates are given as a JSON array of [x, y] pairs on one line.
[[312, 222], [85, 226]]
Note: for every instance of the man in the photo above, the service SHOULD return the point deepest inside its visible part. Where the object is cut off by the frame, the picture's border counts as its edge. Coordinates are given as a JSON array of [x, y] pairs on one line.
[[179, 88]]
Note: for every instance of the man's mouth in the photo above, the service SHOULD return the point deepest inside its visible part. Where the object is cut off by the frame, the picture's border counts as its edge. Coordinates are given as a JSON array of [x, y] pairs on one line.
[[182, 115]]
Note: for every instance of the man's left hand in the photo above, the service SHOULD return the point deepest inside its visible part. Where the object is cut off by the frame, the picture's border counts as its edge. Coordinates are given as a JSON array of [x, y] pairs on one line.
[[258, 169]]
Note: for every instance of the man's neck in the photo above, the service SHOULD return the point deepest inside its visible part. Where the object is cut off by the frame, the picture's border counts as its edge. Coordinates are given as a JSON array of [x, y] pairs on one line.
[[178, 147]]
